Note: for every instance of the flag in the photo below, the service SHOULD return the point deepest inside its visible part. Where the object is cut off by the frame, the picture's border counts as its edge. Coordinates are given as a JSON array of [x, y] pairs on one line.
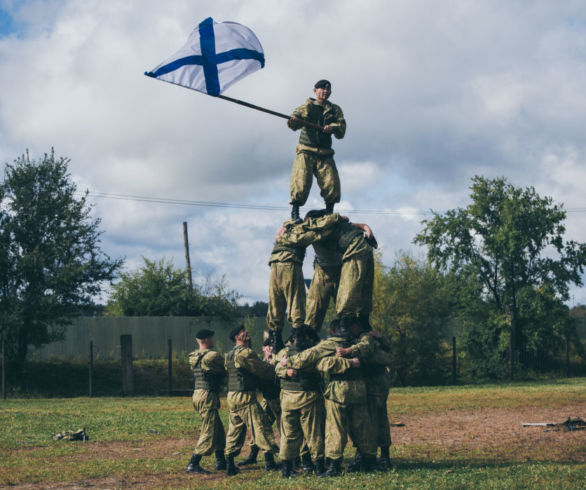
[[215, 56]]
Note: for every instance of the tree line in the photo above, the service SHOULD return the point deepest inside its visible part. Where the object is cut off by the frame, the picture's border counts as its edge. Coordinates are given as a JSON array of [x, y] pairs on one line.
[[497, 276]]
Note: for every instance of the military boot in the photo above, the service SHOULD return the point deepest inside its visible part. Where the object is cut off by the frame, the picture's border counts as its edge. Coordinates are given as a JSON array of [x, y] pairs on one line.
[[355, 465], [295, 213], [270, 464], [220, 460], [231, 468], [384, 463], [276, 340], [320, 466], [194, 467], [335, 468], [251, 459], [368, 464], [287, 470], [329, 207], [307, 463]]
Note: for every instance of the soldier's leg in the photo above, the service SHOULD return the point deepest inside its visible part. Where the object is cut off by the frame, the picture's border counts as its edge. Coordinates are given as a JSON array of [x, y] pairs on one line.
[[211, 437], [312, 422], [356, 286], [291, 435], [323, 287], [336, 432], [301, 176], [328, 180], [277, 300], [236, 433], [294, 287], [260, 430], [361, 431]]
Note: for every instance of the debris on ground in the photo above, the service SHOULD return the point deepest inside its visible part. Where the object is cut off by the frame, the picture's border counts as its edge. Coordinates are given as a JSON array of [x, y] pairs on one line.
[[71, 435], [569, 425]]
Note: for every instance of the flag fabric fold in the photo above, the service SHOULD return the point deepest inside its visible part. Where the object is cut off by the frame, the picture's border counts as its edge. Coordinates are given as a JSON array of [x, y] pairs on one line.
[[215, 56]]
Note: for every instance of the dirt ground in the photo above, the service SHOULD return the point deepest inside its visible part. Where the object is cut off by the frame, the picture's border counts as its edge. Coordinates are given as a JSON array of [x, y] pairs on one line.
[[456, 437]]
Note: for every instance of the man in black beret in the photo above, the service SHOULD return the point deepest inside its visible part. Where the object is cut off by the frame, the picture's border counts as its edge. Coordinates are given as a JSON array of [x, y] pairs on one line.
[[315, 155], [245, 370], [209, 372]]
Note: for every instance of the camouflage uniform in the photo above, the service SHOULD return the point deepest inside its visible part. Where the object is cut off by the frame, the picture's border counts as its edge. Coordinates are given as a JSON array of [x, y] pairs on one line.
[[374, 361], [286, 284], [324, 285], [303, 413], [315, 155], [208, 369], [244, 369], [345, 398]]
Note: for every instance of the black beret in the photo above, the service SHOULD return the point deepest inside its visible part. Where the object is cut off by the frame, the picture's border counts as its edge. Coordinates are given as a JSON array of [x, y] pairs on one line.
[[323, 84], [235, 331], [204, 333]]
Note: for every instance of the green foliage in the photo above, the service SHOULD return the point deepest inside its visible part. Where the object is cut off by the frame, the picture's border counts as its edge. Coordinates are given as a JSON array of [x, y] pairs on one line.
[[51, 263], [510, 242], [159, 289], [412, 306]]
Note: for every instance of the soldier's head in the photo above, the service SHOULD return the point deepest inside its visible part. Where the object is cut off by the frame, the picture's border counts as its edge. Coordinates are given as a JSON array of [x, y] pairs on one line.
[[322, 90], [334, 328], [240, 336], [205, 338], [355, 327], [315, 213]]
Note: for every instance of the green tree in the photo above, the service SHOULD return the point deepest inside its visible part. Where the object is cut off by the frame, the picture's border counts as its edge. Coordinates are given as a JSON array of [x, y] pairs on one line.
[[512, 241], [51, 263], [159, 289], [412, 306]]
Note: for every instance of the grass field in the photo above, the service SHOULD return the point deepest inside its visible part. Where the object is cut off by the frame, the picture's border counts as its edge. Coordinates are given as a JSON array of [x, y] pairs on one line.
[[454, 437]]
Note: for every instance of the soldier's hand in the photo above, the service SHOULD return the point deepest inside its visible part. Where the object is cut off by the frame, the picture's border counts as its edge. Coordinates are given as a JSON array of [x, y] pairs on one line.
[[280, 231], [328, 129], [355, 362], [291, 372], [341, 351], [283, 361]]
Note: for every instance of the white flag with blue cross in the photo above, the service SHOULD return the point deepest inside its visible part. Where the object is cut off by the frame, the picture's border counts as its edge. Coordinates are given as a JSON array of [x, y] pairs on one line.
[[215, 56]]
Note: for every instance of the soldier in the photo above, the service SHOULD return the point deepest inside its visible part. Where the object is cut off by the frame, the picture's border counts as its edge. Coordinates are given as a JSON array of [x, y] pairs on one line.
[[374, 354], [315, 155], [345, 398], [303, 413], [245, 369], [208, 369], [286, 284]]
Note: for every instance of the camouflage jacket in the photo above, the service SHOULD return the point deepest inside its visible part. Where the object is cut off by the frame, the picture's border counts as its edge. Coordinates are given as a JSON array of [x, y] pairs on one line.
[[322, 114]]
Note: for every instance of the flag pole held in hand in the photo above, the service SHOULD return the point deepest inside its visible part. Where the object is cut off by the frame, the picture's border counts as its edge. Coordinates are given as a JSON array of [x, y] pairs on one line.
[[215, 56]]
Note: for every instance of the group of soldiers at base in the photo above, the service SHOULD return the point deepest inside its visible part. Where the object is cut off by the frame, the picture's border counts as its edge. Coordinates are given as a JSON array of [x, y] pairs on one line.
[[319, 391]]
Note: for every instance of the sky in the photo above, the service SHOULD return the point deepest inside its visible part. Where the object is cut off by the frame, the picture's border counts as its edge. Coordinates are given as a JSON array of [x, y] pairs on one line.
[[434, 93]]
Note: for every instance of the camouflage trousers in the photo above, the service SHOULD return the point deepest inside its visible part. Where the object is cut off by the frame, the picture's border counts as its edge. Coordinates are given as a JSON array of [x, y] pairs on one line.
[[253, 418], [272, 409], [379, 419], [324, 286], [302, 431], [306, 165], [356, 286], [286, 294], [211, 435], [348, 420]]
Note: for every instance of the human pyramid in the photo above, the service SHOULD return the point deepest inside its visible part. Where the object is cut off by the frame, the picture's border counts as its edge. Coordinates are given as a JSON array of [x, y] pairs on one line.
[[319, 391]]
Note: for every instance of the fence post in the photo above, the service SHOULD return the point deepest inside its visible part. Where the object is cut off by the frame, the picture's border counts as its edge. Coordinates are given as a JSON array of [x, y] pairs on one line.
[[454, 367], [126, 360], [91, 369], [170, 367], [3, 374]]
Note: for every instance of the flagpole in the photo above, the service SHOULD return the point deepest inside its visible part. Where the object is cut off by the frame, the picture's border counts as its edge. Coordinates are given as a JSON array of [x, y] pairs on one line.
[[268, 111]]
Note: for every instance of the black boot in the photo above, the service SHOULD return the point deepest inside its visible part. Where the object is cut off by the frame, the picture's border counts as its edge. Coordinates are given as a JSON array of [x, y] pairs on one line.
[[335, 468], [384, 463], [287, 469], [270, 464], [194, 467], [368, 464], [354, 466], [231, 468], [320, 467], [276, 340], [220, 460], [251, 459], [295, 213], [307, 463], [329, 207]]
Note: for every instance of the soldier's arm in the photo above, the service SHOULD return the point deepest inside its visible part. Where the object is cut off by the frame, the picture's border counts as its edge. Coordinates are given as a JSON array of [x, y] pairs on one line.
[[280, 371], [339, 126], [380, 357], [335, 365], [249, 360], [294, 122], [364, 347], [310, 357], [213, 362]]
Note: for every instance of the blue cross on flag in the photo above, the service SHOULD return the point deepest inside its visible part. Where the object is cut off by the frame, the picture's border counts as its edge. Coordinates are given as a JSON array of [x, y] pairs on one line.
[[215, 56]]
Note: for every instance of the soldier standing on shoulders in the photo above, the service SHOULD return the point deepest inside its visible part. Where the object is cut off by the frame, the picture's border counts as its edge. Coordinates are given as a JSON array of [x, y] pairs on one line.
[[208, 369], [245, 369], [315, 155]]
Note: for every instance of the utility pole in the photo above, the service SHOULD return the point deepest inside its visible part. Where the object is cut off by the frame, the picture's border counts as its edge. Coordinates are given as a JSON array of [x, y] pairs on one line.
[[187, 261]]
